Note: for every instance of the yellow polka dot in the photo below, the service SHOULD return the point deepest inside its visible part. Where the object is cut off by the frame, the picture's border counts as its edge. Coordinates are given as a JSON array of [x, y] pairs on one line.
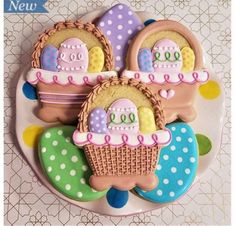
[[31, 135], [210, 90]]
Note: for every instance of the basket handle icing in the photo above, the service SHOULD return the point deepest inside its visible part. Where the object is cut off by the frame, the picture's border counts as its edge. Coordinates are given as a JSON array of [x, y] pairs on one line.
[[163, 25]]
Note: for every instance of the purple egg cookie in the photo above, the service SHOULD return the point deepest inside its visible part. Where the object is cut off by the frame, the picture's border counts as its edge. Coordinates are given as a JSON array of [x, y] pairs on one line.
[[120, 24]]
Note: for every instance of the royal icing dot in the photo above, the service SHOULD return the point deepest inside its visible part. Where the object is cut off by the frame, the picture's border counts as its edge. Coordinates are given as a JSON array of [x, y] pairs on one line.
[[52, 157], [124, 26], [55, 143], [47, 135], [62, 166], [64, 152], [67, 187], [159, 167], [178, 172], [159, 192], [172, 148], [190, 140], [79, 194], [69, 169], [57, 177], [43, 150], [60, 132], [180, 182], [165, 157], [178, 139], [82, 180], [72, 172], [74, 159], [165, 181]]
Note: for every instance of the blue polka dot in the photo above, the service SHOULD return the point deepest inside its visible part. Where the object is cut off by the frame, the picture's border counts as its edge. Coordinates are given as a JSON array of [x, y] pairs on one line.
[[117, 198], [147, 22], [29, 91]]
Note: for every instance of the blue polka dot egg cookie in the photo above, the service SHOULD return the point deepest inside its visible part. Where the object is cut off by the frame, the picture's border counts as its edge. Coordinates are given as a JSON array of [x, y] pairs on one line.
[[177, 166], [65, 164]]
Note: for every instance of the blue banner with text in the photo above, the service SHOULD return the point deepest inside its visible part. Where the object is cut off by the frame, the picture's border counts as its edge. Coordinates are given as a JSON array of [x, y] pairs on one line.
[[24, 6]]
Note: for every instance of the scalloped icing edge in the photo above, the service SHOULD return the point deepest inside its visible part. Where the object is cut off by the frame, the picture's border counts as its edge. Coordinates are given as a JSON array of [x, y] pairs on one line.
[[36, 75], [200, 76], [160, 137]]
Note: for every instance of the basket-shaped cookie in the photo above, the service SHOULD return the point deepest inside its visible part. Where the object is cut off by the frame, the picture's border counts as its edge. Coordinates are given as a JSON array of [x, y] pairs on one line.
[[68, 60], [121, 128], [167, 56]]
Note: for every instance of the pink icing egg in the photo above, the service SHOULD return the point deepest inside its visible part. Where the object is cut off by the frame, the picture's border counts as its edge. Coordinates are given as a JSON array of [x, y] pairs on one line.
[[73, 56], [166, 56], [122, 117]]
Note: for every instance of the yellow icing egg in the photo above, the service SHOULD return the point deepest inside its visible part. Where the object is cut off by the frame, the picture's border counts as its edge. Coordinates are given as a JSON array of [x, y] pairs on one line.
[[188, 58], [96, 59], [146, 120]]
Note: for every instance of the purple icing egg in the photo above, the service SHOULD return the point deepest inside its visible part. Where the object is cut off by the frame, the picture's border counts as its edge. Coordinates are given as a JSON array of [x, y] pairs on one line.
[[145, 60], [97, 121], [49, 57], [120, 24]]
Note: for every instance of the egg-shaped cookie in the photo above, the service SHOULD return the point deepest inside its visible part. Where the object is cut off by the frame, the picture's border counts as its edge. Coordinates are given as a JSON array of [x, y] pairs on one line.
[[65, 164]]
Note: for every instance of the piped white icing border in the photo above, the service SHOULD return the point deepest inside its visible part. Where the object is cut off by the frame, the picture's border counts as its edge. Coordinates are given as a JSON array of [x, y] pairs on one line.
[[160, 137], [173, 78], [67, 78]]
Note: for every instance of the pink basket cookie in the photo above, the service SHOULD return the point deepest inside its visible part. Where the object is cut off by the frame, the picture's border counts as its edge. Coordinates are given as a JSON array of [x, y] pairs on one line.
[[68, 60], [167, 56], [122, 134]]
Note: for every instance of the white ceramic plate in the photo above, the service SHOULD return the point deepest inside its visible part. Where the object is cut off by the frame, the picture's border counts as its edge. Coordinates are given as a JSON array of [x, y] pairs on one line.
[[208, 122]]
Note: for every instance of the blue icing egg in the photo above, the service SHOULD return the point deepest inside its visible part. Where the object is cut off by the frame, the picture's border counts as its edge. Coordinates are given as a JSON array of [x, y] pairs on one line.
[[177, 166], [149, 21], [29, 91], [49, 58], [117, 198], [145, 60]]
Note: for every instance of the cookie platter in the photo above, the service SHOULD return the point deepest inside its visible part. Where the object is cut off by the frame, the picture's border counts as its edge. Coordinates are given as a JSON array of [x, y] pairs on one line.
[[197, 141]]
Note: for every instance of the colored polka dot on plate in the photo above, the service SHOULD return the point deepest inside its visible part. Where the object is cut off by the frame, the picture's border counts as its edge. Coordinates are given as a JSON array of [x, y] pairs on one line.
[[117, 198], [210, 90], [204, 144], [149, 21], [31, 135], [29, 91]]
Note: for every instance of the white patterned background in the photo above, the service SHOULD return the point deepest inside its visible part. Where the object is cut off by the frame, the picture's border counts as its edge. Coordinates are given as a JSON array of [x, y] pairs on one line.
[[28, 202]]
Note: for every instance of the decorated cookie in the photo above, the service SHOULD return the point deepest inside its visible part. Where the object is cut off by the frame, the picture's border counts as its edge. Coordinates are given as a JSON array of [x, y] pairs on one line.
[[68, 60], [177, 166], [124, 156], [177, 63], [119, 24], [65, 165], [73, 55]]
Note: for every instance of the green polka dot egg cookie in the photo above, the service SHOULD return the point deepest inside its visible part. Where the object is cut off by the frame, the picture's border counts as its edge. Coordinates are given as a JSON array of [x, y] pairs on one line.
[[65, 165]]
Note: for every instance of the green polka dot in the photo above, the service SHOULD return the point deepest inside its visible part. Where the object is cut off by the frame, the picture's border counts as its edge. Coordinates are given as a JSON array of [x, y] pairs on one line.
[[204, 144], [65, 164]]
